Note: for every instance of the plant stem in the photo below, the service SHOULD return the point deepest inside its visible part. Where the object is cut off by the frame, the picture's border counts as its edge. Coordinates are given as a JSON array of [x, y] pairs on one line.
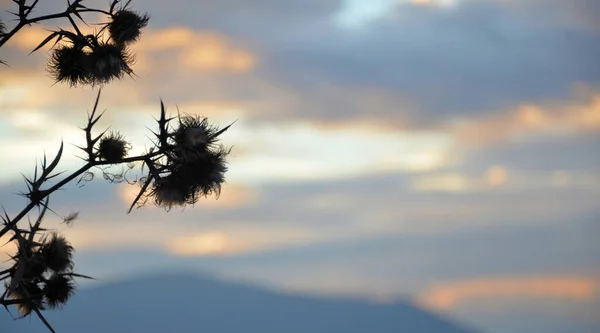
[[25, 21], [44, 193]]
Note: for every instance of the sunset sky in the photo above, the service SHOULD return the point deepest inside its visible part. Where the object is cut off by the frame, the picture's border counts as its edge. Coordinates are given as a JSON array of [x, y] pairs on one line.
[[444, 151]]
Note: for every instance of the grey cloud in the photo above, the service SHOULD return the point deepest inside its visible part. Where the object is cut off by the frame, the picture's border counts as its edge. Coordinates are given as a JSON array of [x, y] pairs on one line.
[[354, 207], [574, 155], [581, 14], [479, 57], [423, 63], [475, 59], [496, 240], [258, 20], [392, 264]]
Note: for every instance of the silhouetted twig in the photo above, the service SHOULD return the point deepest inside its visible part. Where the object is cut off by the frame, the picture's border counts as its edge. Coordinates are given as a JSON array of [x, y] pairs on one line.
[[185, 163]]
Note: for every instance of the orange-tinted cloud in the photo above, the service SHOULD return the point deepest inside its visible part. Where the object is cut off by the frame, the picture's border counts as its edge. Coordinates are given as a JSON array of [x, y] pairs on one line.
[[192, 50], [175, 46], [497, 175], [442, 182], [29, 38], [240, 238], [210, 243], [582, 114], [232, 196], [449, 295], [494, 177], [160, 54], [6, 251]]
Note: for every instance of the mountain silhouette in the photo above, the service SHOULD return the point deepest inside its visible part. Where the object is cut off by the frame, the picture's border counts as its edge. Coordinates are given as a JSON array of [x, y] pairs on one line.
[[199, 303]]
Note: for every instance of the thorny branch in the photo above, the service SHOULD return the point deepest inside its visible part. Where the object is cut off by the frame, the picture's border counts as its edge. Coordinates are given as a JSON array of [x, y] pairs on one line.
[[76, 8], [186, 161]]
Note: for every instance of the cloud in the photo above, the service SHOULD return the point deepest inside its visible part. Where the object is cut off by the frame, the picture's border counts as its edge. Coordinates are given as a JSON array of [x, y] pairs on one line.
[[306, 152], [161, 55], [435, 60], [265, 153], [204, 244], [232, 196], [578, 14], [422, 64], [495, 176], [239, 240], [352, 235], [450, 295], [279, 215], [186, 49], [433, 144], [531, 121]]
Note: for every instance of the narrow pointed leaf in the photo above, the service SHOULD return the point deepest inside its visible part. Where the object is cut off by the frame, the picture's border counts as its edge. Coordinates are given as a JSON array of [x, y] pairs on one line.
[[79, 17], [43, 319], [223, 130], [56, 159], [45, 41], [142, 191], [54, 175]]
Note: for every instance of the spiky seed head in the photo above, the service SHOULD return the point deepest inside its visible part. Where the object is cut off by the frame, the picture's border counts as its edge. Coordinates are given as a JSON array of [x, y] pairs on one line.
[[190, 179], [70, 64], [109, 61], [195, 137], [57, 289], [31, 295], [197, 164], [29, 257], [206, 173], [57, 252], [169, 191], [195, 133], [125, 26], [35, 267], [113, 148]]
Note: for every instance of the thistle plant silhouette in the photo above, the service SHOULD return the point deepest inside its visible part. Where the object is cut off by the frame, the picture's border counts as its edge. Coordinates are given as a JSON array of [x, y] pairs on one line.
[[186, 162]]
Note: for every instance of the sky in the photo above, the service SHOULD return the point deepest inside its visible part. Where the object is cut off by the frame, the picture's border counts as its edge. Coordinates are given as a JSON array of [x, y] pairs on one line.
[[442, 151]]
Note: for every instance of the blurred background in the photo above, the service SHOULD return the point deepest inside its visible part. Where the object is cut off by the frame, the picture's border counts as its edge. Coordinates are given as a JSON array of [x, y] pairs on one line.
[[442, 153]]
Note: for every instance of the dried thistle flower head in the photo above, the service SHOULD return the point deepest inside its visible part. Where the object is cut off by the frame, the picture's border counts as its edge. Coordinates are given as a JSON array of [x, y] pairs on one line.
[[70, 64], [192, 177], [108, 62], [196, 164], [195, 133], [194, 137], [29, 296], [57, 252], [125, 26], [113, 148], [206, 173], [169, 191], [29, 257], [57, 289], [35, 267]]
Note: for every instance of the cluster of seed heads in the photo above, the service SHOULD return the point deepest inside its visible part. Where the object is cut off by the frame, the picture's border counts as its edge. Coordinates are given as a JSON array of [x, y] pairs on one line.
[[187, 162], [90, 60], [46, 279], [194, 164]]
